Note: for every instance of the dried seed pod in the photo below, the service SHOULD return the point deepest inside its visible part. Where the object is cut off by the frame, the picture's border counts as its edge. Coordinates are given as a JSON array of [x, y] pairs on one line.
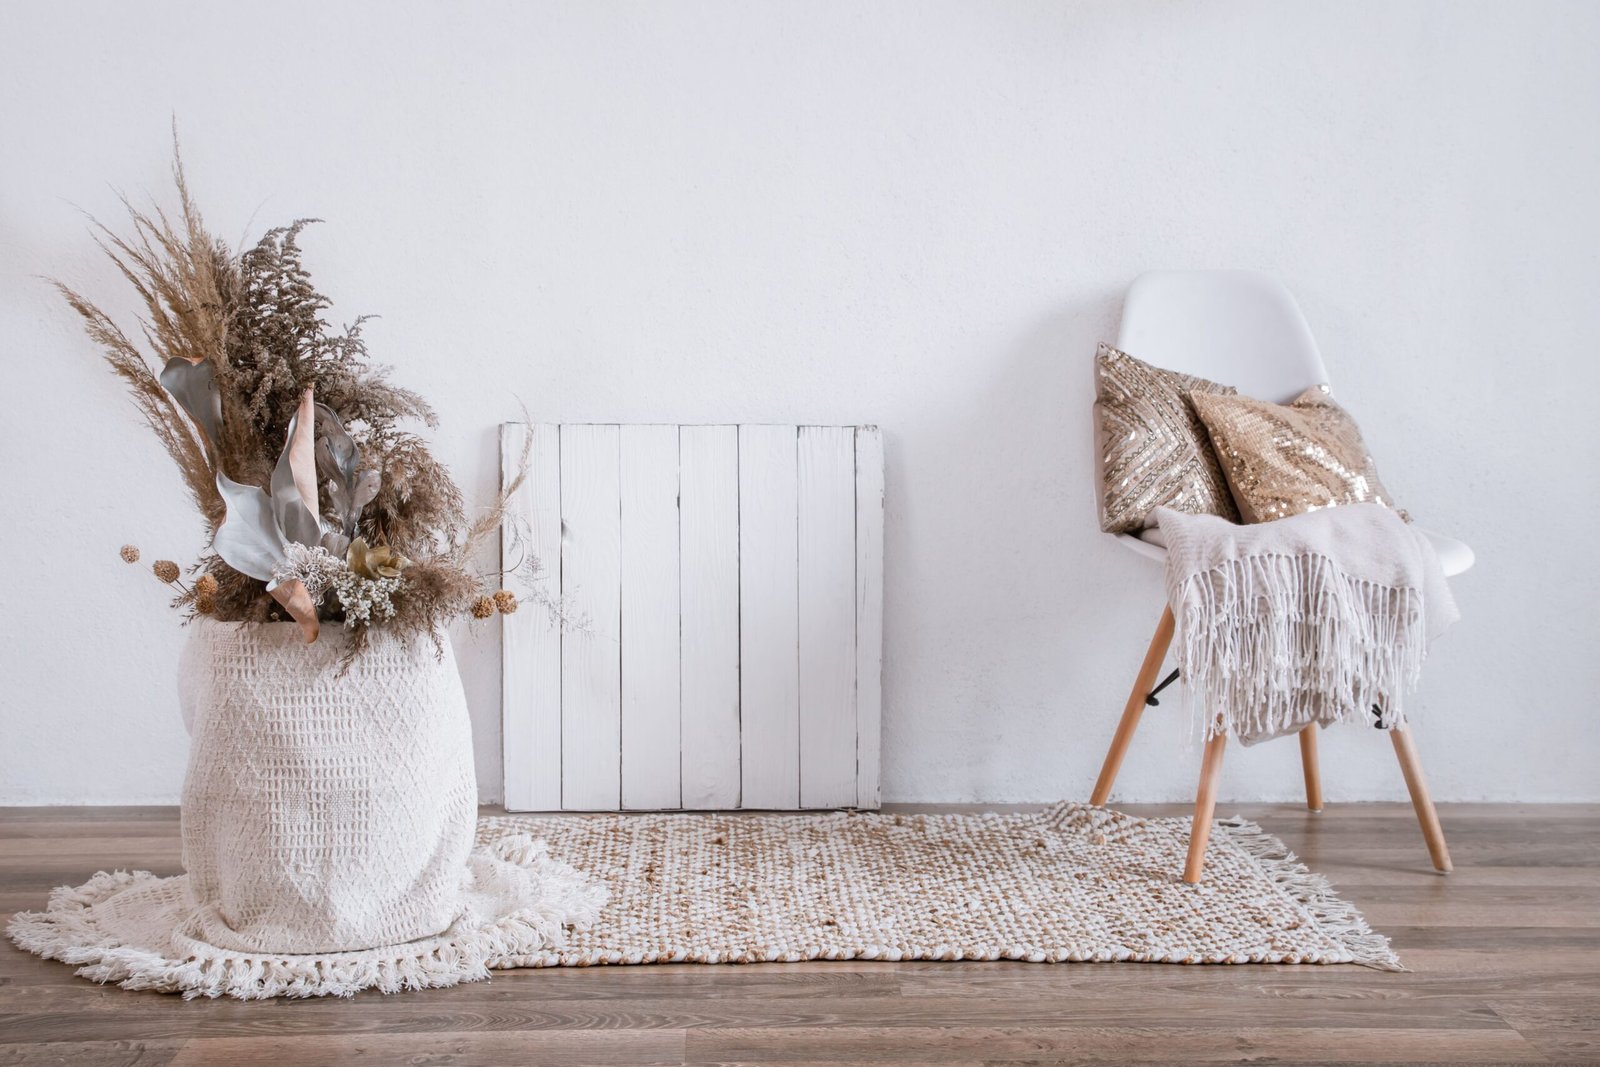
[[129, 553], [483, 607], [166, 570], [506, 601], [205, 585]]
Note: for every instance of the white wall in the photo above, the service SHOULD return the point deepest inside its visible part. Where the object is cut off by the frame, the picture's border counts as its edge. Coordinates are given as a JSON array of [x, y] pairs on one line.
[[916, 214]]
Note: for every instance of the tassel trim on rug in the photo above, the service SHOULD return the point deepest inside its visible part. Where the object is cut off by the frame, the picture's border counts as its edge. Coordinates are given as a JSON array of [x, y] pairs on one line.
[[1336, 917], [557, 896]]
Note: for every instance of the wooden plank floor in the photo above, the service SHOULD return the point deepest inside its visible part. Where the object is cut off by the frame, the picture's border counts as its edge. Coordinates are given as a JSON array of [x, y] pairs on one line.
[[1505, 959]]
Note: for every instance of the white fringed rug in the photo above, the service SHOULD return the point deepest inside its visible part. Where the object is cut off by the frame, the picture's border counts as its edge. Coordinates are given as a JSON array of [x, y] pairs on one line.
[[146, 932], [1072, 883], [1069, 884]]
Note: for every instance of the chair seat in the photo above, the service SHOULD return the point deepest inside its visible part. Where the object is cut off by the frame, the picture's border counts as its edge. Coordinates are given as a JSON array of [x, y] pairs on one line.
[[1456, 557]]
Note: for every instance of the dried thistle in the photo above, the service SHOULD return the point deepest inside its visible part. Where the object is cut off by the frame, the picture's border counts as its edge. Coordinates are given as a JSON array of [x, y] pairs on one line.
[[166, 570], [506, 601], [483, 607], [129, 553], [205, 604], [206, 586]]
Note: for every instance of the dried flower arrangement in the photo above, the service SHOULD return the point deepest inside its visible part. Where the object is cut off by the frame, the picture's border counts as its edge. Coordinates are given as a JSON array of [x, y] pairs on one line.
[[320, 506]]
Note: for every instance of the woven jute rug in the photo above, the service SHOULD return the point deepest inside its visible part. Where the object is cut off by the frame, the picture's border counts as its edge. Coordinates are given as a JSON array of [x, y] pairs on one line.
[[1072, 883]]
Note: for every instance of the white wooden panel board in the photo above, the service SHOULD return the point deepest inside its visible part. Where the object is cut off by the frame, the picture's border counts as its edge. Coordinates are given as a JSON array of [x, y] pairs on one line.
[[709, 627], [869, 615], [827, 616], [591, 573], [730, 584], [530, 640], [769, 618], [649, 635]]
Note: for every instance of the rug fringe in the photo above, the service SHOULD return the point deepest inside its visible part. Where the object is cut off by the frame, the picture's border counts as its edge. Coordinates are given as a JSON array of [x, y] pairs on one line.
[[1338, 918], [557, 895]]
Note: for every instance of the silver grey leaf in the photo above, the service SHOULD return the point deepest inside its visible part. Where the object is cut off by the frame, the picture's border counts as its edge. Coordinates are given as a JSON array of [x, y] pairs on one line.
[[350, 489], [248, 539], [194, 387]]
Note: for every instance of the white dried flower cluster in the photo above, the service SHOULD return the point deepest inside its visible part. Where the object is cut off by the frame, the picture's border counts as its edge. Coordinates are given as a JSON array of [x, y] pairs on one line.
[[364, 599], [314, 566]]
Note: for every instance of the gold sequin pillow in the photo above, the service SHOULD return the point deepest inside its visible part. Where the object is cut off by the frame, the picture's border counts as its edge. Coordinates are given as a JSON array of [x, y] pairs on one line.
[[1287, 459], [1154, 449]]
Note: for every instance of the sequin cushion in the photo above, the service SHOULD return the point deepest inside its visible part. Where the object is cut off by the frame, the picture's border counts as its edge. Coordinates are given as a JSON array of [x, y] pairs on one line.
[[1154, 449], [1287, 459]]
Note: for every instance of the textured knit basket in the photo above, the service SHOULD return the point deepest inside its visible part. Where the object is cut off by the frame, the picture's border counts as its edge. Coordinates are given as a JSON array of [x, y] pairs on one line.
[[325, 809]]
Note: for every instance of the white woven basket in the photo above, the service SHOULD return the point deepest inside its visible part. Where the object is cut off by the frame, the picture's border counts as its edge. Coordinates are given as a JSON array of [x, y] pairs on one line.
[[325, 809]]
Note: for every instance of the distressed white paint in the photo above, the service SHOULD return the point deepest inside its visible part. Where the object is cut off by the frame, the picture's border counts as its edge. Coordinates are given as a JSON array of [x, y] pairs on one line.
[[732, 564], [591, 583], [921, 214], [869, 614], [826, 532], [649, 634], [530, 639], [709, 626], [769, 605]]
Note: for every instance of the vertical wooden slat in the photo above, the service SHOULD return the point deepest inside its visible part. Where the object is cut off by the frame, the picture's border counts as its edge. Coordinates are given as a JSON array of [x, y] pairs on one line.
[[827, 616], [591, 697], [530, 642], [869, 614], [650, 737], [768, 618], [709, 637]]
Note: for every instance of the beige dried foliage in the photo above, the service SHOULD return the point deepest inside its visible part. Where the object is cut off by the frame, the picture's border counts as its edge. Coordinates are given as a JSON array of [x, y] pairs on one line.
[[172, 428], [259, 321]]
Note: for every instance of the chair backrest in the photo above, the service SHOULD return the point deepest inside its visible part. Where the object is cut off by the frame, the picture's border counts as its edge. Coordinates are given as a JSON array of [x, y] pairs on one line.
[[1234, 327]]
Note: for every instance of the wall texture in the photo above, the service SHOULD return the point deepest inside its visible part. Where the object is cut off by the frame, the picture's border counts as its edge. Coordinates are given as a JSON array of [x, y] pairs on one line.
[[915, 214]]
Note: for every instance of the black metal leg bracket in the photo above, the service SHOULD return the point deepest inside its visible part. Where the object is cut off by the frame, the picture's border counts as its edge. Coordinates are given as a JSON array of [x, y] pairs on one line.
[[1150, 699]]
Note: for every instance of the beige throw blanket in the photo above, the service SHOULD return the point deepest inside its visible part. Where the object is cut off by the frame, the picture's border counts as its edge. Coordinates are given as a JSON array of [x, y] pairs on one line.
[[1323, 617]]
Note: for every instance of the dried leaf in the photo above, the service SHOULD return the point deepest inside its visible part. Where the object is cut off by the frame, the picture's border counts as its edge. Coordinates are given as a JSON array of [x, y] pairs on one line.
[[248, 540], [194, 386], [294, 480]]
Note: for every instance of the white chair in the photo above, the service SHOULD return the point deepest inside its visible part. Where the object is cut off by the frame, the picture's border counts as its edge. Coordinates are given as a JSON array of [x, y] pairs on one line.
[[1241, 329]]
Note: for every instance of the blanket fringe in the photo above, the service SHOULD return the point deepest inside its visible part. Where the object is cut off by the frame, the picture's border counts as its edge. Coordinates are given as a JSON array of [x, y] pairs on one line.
[[1271, 642]]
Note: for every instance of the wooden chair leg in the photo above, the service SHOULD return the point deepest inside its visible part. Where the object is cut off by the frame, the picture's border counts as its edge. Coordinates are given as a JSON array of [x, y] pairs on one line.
[[1146, 681], [1417, 785], [1308, 763], [1205, 805]]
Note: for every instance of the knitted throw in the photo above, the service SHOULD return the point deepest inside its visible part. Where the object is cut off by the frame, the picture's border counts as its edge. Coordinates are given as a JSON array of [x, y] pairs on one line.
[[1323, 617]]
